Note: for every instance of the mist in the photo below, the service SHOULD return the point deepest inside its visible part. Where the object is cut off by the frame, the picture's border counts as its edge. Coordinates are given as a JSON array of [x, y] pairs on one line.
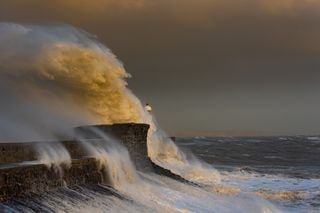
[[244, 66], [54, 78]]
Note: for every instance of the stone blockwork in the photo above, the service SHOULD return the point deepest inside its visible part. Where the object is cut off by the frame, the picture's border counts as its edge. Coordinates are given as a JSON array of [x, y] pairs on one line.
[[19, 178], [132, 136], [21, 175], [16, 152], [19, 181], [27, 151]]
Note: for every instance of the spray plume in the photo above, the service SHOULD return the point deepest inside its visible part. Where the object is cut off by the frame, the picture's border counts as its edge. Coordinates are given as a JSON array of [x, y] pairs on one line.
[[69, 77], [53, 155], [112, 157], [57, 77]]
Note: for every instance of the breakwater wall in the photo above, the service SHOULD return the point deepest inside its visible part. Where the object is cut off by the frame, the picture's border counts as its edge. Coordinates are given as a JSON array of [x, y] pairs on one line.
[[132, 136], [21, 174], [19, 180]]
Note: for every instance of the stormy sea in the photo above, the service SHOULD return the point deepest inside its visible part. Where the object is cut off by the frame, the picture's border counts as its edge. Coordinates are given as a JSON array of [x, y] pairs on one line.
[[57, 77], [258, 174], [284, 170]]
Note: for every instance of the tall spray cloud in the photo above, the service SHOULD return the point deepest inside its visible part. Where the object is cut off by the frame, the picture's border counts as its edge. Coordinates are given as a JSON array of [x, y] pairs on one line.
[[56, 77]]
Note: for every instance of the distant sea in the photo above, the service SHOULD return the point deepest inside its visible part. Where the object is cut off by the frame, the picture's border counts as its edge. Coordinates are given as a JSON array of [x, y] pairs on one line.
[[284, 170]]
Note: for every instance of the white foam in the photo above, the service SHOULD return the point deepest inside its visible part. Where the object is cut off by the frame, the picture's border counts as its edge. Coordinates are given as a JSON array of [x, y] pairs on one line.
[[54, 155]]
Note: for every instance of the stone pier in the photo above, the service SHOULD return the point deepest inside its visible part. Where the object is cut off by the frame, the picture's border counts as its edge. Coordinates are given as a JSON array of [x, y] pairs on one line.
[[21, 174]]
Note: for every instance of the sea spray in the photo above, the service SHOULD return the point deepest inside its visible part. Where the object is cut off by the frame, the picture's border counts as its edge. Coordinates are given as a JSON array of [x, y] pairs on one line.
[[53, 78], [154, 192], [113, 158], [74, 80], [164, 152], [57, 77], [61, 77], [53, 155]]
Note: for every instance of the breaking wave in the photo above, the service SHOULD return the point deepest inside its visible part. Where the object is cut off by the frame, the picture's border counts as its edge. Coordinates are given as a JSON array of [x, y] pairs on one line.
[[75, 80], [57, 77]]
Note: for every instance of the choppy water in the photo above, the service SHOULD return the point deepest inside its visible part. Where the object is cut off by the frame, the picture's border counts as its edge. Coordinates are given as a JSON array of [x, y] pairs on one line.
[[260, 174], [284, 170]]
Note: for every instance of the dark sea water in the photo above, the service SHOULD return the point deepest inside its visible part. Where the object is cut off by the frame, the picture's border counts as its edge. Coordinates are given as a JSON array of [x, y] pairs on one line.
[[284, 170], [258, 175]]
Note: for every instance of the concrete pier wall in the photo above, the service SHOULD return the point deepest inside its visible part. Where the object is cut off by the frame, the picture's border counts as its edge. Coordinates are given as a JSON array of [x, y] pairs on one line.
[[132, 136], [21, 180], [20, 175]]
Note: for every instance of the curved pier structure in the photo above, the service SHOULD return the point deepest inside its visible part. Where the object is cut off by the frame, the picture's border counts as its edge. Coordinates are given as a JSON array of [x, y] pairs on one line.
[[133, 136], [21, 174]]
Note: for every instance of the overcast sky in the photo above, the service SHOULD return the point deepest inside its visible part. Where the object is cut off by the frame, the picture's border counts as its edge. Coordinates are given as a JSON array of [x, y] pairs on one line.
[[237, 66]]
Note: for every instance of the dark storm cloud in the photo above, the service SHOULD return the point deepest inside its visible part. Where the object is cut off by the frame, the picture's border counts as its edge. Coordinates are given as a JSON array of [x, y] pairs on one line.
[[246, 65]]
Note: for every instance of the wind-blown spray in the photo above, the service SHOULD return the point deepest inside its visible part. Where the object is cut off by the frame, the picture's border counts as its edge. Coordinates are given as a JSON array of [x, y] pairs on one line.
[[74, 80], [164, 152], [53, 155], [54, 78], [113, 158]]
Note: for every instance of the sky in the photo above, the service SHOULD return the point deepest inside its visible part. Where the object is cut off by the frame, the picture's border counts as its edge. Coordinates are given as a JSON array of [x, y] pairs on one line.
[[206, 66]]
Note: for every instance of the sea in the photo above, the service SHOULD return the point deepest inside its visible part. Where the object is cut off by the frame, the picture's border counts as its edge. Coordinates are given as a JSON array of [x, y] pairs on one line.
[[70, 79], [284, 170], [258, 174]]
